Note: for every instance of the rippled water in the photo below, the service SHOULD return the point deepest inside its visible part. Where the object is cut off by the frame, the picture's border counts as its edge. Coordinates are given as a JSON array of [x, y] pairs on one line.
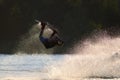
[[49, 67], [26, 67]]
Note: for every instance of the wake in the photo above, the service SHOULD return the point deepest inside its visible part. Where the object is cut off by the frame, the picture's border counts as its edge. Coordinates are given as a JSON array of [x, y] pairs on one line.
[[94, 58]]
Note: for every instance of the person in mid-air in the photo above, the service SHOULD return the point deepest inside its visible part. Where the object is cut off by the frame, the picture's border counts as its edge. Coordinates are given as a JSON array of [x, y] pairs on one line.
[[53, 40]]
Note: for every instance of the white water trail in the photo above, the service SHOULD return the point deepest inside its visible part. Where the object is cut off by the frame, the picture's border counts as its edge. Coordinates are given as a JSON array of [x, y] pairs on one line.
[[94, 58]]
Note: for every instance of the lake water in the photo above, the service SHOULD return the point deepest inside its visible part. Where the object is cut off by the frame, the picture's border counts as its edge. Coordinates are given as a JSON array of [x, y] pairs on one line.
[[26, 67], [57, 67]]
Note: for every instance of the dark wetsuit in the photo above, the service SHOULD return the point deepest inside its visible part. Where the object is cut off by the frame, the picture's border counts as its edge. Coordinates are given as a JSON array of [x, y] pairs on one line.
[[48, 43]]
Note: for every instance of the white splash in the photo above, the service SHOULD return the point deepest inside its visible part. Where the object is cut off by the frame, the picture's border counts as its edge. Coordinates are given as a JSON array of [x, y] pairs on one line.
[[99, 58]]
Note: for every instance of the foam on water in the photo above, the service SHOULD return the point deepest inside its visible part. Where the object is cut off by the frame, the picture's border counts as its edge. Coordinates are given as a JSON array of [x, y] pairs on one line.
[[99, 58]]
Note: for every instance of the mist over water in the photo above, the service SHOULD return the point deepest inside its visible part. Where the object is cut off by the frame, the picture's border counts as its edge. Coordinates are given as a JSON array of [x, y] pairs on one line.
[[94, 58], [30, 43]]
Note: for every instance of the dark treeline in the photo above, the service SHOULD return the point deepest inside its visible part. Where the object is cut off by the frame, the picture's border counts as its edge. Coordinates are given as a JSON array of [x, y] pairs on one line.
[[74, 18]]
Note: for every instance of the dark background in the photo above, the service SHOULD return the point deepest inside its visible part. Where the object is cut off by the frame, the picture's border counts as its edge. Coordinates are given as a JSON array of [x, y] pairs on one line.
[[74, 18]]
